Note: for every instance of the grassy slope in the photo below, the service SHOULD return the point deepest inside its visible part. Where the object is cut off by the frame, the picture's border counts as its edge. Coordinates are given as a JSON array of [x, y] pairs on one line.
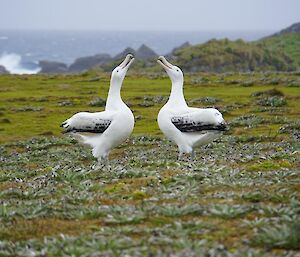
[[274, 53], [241, 194], [288, 43]]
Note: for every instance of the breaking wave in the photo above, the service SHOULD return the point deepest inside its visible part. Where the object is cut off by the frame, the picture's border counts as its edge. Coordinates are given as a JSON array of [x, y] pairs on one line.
[[14, 65]]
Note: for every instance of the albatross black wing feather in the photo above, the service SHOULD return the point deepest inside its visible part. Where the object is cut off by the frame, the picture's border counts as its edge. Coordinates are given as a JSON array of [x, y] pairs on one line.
[[187, 125], [97, 126]]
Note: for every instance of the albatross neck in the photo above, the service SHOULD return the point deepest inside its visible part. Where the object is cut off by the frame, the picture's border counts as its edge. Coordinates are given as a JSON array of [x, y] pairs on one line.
[[176, 96], [114, 100]]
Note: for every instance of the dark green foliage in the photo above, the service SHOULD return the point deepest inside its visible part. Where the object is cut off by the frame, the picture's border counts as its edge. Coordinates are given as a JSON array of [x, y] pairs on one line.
[[272, 97], [225, 55], [273, 101], [97, 102], [204, 100], [285, 236], [249, 121], [288, 43], [271, 92]]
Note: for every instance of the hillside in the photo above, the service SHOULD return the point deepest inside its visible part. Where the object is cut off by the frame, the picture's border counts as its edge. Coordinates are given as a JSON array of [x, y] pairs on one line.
[[288, 43], [280, 52], [294, 28], [225, 55], [276, 53]]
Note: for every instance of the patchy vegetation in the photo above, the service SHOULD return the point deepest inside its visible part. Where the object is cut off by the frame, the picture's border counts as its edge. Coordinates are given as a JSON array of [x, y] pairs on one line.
[[239, 197], [225, 55], [288, 43], [280, 52]]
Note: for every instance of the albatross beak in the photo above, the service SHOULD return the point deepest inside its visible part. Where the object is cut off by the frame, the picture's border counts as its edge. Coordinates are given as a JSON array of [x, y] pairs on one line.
[[164, 63], [127, 61]]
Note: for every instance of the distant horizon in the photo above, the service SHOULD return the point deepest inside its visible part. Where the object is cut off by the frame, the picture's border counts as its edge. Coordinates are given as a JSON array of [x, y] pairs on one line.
[[144, 31]]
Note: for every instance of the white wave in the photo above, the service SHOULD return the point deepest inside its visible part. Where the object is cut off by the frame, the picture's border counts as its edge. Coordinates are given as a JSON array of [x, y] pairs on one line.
[[13, 64]]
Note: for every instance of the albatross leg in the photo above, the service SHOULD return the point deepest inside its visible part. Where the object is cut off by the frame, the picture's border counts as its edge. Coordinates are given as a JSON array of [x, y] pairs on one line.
[[97, 165], [101, 163], [192, 155], [179, 156], [107, 162]]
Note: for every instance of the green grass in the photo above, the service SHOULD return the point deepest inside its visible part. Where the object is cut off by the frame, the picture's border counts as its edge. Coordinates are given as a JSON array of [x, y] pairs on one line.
[[287, 43], [226, 55], [277, 53], [239, 197], [35, 105]]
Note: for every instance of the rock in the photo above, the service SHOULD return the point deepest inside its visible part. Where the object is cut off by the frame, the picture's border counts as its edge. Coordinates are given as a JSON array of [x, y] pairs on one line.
[[51, 67], [144, 53], [172, 54], [126, 51], [3, 70], [184, 45], [30, 65], [85, 63], [295, 28]]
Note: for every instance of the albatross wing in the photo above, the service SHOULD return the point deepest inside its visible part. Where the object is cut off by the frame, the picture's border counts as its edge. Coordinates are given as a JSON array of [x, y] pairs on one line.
[[199, 120], [88, 122]]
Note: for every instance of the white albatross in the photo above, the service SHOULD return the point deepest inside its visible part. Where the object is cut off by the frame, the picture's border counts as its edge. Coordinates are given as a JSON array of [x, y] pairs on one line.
[[109, 128], [186, 126]]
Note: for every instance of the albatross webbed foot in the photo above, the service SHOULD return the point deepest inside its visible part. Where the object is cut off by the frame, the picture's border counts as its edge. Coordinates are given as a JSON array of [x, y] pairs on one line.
[[179, 157], [103, 162]]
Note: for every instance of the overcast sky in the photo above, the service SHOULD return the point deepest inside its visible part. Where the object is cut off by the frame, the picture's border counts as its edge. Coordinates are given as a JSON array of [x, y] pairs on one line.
[[149, 14]]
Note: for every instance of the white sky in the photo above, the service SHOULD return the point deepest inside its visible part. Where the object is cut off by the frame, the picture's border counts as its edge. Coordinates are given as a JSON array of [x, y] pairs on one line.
[[149, 14]]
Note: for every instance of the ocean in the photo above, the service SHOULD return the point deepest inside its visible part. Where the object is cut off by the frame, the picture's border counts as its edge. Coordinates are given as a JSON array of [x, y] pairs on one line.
[[20, 51]]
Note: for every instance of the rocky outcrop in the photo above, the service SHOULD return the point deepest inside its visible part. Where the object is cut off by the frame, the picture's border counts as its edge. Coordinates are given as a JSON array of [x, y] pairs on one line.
[[126, 51], [86, 63], [82, 64], [144, 53], [51, 67], [172, 54], [295, 28], [3, 70], [184, 45]]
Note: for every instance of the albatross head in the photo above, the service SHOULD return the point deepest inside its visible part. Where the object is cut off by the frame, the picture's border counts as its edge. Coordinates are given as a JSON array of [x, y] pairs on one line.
[[174, 72], [120, 71]]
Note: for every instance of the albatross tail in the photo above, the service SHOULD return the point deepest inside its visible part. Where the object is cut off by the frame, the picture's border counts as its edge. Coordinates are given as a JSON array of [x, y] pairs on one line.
[[91, 140]]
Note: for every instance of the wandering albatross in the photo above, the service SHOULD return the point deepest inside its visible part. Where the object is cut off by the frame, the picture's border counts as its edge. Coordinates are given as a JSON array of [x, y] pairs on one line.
[[109, 128], [186, 126]]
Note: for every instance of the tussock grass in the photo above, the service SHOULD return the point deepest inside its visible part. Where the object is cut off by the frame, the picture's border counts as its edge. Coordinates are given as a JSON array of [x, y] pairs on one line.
[[239, 197]]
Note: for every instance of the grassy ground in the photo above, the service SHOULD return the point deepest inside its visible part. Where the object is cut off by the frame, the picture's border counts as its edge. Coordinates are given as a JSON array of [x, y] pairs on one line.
[[240, 197]]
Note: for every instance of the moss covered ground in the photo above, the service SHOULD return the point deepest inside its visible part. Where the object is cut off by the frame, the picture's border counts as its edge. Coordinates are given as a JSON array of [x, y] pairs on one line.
[[239, 197]]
